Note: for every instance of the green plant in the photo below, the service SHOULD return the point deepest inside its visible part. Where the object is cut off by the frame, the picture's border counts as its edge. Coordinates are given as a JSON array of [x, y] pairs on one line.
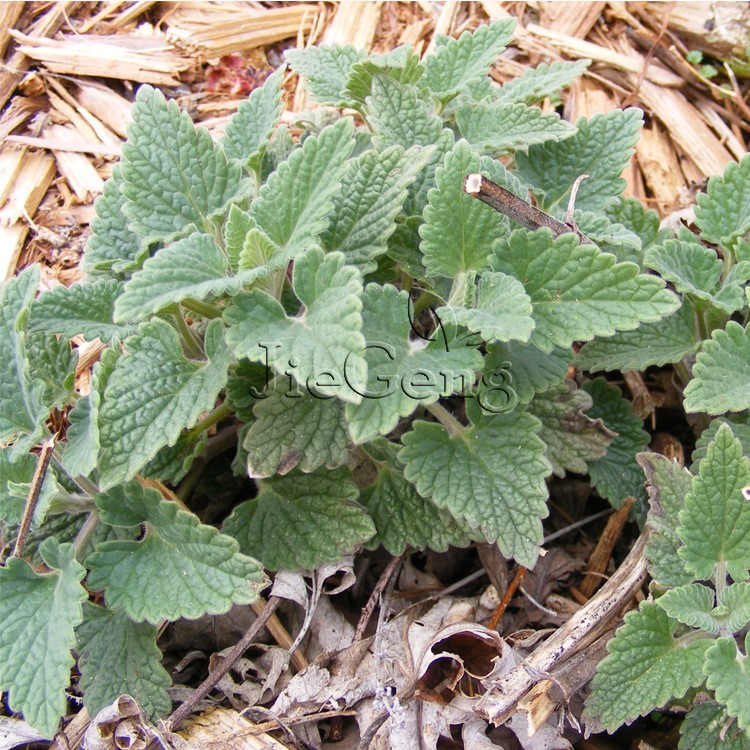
[[334, 302]]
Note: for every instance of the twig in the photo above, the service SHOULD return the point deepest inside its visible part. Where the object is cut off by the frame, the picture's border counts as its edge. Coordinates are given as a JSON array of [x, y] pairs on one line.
[[40, 472], [369, 608], [520, 211], [497, 615], [187, 706]]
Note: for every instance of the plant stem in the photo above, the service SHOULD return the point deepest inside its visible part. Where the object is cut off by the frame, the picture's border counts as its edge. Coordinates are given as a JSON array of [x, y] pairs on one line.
[[86, 532], [682, 372], [221, 411], [202, 308], [445, 418], [189, 341], [426, 299], [720, 577], [216, 445]]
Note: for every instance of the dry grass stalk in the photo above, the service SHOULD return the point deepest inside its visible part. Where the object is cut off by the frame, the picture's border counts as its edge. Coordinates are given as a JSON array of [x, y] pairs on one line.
[[24, 186], [446, 21], [74, 167], [212, 30], [355, 24], [223, 727], [123, 18], [130, 58], [9, 14]]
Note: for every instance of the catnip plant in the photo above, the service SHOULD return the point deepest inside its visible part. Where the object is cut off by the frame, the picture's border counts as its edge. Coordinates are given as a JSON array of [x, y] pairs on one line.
[[335, 301]]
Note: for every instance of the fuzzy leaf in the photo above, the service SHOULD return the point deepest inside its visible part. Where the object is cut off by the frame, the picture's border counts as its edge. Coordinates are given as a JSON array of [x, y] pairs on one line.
[[295, 203], [601, 149], [119, 656], [192, 267], [667, 484], [531, 370], [715, 522], [22, 407], [668, 340], [733, 606], [692, 605], [534, 84], [612, 237], [692, 268], [402, 517], [498, 129], [153, 394], [326, 69], [81, 309], [630, 213], [238, 225], [728, 675], [457, 62], [646, 666], [489, 476], [459, 232], [173, 176], [723, 212], [51, 362], [16, 475], [577, 291], [38, 615], [112, 245], [295, 429], [706, 728], [572, 438], [401, 64], [172, 462], [301, 520], [250, 129], [738, 424], [373, 192], [502, 310], [721, 374], [617, 475], [180, 568], [402, 374], [325, 341]]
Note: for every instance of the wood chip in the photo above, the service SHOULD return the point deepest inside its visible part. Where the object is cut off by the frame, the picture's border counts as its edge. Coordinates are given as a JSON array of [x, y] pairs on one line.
[[29, 183], [127, 57], [571, 18], [355, 24], [9, 14], [75, 167], [107, 105], [225, 728]]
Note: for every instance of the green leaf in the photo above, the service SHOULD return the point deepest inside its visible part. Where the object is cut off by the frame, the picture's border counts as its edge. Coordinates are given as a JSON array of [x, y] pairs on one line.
[[373, 192], [238, 225], [119, 656], [500, 128], [81, 309], [112, 247], [399, 116], [52, 362], [668, 340], [733, 606], [738, 424], [402, 374], [667, 484], [733, 293], [400, 64], [617, 475], [174, 178], [295, 429], [250, 129], [323, 347], [180, 568], [326, 69], [457, 62], [692, 268], [172, 462], [535, 84], [192, 267], [577, 291], [22, 401], [16, 475], [38, 614], [610, 236], [692, 605], [402, 517], [501, 312], [296, 202], [707, 727], [245, 383], [715, 522], [646, 666], [572, 438], [302, 520], [489, 476], [459, 232], [600, 148], [531, 370], [723, 212], [721, 374], [630, 213], [153, 394], [727, 674]]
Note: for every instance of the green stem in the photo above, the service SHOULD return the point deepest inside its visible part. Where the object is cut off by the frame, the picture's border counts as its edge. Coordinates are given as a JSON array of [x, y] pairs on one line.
[[694, 635], [189, 341], [682, 372], [426, 299], [445, 418], [720, 577], [220, 412], [86, 532], [85, 485], [202, 308]]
